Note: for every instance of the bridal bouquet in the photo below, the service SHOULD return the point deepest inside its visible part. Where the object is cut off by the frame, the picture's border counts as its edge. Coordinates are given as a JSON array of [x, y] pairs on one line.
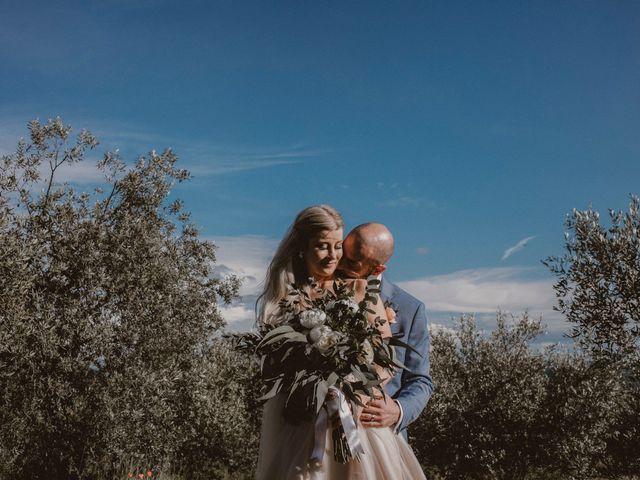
[[322, 354]]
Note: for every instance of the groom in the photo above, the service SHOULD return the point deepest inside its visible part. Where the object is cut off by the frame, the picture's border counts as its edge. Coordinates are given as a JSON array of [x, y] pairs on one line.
[[366, 250]]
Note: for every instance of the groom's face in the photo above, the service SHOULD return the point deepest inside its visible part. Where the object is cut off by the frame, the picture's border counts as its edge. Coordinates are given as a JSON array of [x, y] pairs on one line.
[[355, 262]]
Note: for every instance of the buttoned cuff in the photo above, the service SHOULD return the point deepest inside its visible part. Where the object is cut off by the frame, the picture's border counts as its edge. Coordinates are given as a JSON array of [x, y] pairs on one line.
[[396, 429]]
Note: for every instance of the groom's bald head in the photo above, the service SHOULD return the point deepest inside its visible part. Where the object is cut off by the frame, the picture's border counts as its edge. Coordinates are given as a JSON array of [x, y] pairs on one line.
[[376, 241], [366, 250]]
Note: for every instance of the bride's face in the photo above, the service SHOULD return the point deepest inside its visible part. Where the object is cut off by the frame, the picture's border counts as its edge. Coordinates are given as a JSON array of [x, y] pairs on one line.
[[323, 254]]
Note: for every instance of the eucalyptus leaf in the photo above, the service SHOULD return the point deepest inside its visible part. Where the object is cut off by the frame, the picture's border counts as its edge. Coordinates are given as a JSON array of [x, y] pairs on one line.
[[399, 343], [322, 388], [332, 379], [275, 333], [275, 389], [287, 337]]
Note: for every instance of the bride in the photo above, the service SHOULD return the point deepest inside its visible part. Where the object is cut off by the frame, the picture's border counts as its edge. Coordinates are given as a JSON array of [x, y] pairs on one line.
[[312, 248]]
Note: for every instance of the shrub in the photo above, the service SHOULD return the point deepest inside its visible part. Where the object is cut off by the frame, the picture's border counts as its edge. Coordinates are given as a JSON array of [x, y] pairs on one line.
[[480, 423], [598, 290], [504, 410], [107, 310]]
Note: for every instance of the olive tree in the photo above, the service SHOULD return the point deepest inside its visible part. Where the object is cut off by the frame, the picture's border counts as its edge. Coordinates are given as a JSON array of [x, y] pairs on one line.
[[481, 421], [108, 307], [598, 286], [598, 291], [505, 409]]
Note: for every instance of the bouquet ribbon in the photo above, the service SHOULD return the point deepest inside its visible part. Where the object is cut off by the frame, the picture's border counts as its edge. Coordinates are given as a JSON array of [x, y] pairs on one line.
[[335, 404]]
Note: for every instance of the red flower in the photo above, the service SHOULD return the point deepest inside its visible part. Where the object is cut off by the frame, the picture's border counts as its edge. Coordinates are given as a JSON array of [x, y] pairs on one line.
[[130, 475], [149, 473]]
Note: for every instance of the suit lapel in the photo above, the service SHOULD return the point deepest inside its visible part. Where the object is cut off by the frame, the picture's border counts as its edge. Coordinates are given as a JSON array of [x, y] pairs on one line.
[[386, 290]]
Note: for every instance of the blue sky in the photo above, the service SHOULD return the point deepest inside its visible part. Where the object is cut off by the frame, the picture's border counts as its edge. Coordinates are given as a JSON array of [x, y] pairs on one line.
[[466, 127]]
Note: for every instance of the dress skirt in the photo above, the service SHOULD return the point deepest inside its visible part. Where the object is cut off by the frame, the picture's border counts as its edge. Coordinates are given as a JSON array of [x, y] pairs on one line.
[[285, 450]]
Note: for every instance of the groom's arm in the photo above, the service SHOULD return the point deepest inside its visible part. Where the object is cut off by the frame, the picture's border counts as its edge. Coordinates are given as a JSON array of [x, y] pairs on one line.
[[416, 385]]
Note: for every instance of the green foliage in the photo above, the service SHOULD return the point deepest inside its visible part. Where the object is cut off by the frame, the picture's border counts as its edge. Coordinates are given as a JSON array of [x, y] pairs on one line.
[[107, 310], [598, 285], [225, 422], [481, 421], [578, 411], [598, 290], [504, 410]]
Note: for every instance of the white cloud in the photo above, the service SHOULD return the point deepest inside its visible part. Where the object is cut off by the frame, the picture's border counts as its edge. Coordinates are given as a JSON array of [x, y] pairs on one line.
[[484, 290], [201, 158], [439, 327], [238, 163], [85, 172], [246, 256], [240, 317], [516, 248]]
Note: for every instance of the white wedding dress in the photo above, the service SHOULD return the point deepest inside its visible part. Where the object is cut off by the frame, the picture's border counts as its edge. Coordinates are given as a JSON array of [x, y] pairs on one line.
[[285, 450]]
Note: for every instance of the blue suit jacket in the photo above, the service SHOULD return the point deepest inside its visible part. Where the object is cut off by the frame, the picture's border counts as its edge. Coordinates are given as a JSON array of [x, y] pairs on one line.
[[411, 388]]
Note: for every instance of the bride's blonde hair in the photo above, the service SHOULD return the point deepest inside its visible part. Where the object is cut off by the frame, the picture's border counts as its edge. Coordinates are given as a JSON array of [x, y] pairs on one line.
[[287, 265]]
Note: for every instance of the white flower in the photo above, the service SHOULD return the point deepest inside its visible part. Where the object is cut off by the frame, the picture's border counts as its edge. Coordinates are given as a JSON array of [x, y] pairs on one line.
[[317, 332], [312, 318], [324, 338], [327, 341]]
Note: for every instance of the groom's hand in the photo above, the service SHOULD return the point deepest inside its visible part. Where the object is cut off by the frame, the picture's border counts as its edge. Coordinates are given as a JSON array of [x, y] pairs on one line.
[[380, 413]]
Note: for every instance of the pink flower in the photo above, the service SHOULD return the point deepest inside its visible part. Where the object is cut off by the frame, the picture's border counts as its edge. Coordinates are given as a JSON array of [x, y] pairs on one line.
[[391, 315]]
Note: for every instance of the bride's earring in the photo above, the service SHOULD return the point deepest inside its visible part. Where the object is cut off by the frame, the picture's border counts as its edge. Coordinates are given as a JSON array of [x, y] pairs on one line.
[[300, 255]]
